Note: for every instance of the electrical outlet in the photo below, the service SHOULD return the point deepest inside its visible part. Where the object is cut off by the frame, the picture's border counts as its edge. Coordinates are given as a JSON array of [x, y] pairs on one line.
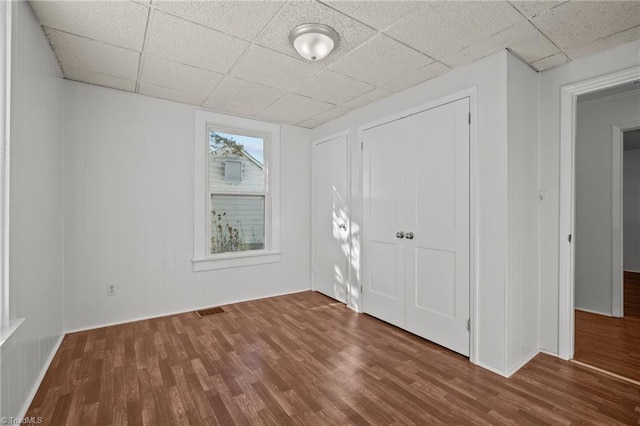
[[111, 289]]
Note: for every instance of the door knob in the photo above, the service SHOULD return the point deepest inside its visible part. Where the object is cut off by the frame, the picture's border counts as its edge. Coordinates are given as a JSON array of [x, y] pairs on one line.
[[343, 226], [399, 234], [409, 235]]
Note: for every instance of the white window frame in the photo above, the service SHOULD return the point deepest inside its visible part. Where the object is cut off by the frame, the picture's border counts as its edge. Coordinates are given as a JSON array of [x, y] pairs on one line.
[[203, 260]]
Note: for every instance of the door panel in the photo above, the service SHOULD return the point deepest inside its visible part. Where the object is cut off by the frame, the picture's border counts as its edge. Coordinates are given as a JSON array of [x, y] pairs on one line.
[[438, 268], [331, 218], [437, 264], [383, 253]]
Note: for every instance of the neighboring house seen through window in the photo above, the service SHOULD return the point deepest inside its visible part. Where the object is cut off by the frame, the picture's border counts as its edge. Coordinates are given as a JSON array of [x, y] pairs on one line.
[[236, 198], [237, 191]]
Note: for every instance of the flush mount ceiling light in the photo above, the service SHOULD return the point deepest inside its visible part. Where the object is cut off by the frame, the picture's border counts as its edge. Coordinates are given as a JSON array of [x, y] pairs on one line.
[[313, 41]]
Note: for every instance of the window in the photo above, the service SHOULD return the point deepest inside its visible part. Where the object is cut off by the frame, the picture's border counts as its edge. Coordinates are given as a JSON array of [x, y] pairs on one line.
[[236, 204], [236, 209], [233, 171]]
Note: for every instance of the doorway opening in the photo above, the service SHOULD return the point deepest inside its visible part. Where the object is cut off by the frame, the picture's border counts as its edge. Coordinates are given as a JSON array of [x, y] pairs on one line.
[[600, 119]]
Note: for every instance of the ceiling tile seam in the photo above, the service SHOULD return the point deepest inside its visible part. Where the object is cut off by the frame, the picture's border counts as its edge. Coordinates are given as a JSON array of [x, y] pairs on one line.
[[412, 48], [540, 31], [606, 36], [201, 25], [97, 73], [284, 92], [357, 96], [91, 39], [344, 14], [313, 117], [296, 87], [143, 55], [273, 18], [234, 65], [364, 23], [166, 12], [173, 90], [303, 96], [404, 76]]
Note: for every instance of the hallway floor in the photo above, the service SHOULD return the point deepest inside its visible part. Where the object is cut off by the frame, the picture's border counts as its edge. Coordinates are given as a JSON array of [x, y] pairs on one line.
[[612, 344]]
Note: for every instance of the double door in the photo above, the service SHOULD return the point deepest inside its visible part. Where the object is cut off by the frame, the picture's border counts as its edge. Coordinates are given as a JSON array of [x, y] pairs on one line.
[[416, 223]]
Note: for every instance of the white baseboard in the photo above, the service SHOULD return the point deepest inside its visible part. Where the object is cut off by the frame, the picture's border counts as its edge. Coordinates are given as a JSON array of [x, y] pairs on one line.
[[166, 314], [492, 369], [38, 382], [546, 352], [521, 364], [606, 314], [507, 374]]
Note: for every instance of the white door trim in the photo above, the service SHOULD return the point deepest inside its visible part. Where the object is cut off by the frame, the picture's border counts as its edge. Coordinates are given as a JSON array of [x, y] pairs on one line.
[[617, 278], [5, 158], [472, 94], [350, 302], [568, 96]]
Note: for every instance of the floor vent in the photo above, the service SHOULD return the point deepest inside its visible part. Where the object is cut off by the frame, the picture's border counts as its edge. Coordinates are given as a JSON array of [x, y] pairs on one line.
[[209, 311]]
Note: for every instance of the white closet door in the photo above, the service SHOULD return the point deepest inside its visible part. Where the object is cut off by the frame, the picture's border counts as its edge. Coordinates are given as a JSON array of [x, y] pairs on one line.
[[383, 273], [437, 261], [331, 218]]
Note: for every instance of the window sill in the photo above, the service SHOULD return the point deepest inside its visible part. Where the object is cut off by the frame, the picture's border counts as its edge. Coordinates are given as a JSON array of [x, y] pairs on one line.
[[235, 260], [7, 332]]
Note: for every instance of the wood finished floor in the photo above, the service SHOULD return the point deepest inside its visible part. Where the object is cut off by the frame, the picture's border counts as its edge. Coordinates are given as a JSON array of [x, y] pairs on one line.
[[632, 294], [612, 344], [305, 359]]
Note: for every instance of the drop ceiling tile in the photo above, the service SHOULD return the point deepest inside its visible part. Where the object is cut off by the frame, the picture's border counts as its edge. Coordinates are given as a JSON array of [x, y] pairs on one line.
[[293, 109], [418, 76], [276, 36], [309, 123], [244, 19], [170, 94], [272, 68], [192, 44], [78, 74], [241, 97], [165, 73], [120, 23], [380, 61], [79, 52], [440, 28], [368, 98], [377, 14], [332, 87], [550, 61], [331, 114], [577, 23], [523, 39], [534, 8], [603, 43]]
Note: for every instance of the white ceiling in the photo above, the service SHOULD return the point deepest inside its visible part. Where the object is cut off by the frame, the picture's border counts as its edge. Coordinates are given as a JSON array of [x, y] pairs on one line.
[[235, 57]]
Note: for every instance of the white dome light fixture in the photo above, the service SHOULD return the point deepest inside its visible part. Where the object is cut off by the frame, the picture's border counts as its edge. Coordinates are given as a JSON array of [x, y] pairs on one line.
[[313, 41]]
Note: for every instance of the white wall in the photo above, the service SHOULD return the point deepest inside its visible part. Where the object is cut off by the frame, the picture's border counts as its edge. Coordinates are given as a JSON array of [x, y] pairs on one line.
[[631, 210], [129, 213], [35, 256], [593, 181], [606, 62], [489, 75], [523, 263]]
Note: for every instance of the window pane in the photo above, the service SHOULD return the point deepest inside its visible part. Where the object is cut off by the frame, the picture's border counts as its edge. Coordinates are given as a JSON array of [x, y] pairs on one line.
[[236, 162], [237, 223]]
